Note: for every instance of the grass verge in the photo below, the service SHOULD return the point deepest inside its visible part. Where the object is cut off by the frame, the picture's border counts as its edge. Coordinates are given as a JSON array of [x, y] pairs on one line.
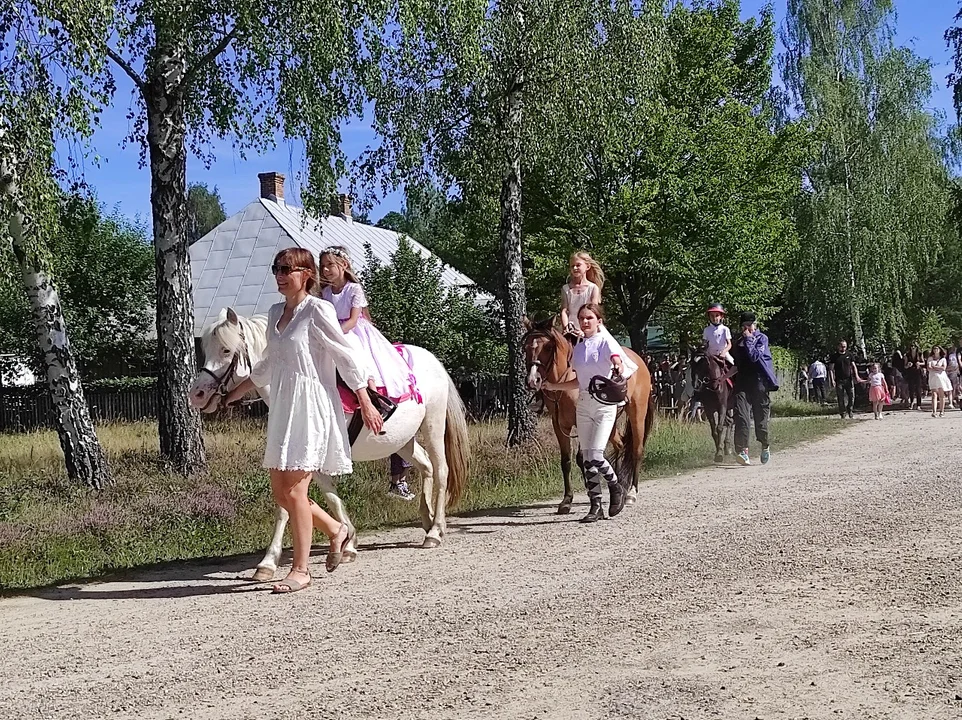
[[51, 531]]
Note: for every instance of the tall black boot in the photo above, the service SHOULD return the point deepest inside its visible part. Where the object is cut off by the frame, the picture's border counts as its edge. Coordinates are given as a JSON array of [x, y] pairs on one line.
[[596, 511], [617, 496]]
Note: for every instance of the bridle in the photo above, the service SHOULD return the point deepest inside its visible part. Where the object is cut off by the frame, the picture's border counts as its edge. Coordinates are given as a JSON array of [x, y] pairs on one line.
[[240, 359], [546, 335]]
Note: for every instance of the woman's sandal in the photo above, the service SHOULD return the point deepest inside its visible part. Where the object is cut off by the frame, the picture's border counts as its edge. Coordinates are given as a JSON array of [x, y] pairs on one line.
[[291, 585], [334, 557]]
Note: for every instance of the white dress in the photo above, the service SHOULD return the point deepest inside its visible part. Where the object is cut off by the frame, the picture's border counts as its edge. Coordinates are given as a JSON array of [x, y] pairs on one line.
[[305, 426], [938, 379], [577, 298], [390, 372]]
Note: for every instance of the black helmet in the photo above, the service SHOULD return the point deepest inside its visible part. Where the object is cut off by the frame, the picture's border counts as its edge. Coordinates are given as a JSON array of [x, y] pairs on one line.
[[608, 391]]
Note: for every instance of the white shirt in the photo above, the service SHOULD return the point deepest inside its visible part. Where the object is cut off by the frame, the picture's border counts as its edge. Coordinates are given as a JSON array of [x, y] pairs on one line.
[[592, 356], [817, 370], [952, 362], [717, 338], [877, 379]]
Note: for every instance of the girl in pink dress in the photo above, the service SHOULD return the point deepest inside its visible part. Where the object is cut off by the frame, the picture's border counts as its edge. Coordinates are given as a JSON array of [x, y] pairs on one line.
[[878, 392], [389, 374]]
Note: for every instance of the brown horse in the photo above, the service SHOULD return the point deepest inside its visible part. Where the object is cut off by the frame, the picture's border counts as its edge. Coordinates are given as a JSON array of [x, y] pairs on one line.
[[712, 380], [548, 358]]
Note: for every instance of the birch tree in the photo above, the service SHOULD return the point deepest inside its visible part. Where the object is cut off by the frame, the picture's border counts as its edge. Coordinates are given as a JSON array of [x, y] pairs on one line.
[[872, 216], [40, 94], [462, 93], [241, 70]]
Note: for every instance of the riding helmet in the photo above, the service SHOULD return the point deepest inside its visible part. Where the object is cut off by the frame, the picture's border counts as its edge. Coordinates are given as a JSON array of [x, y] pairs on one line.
[[715, 308], [608, 391]]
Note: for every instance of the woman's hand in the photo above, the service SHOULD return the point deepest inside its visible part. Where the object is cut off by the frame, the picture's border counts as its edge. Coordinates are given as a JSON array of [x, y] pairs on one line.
[[369, 414], [238, 393], [616, 364]]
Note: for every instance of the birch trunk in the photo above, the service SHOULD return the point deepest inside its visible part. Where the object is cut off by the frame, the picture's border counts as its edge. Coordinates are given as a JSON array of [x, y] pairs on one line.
[[521, 421], [181, 441], [83, 455]]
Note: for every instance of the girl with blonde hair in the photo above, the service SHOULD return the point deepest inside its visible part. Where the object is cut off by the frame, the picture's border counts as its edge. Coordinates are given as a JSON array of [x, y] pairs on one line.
[[585, 281]]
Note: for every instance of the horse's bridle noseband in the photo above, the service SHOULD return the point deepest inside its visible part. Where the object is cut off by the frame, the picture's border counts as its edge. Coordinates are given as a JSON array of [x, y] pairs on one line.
[[240, 359]]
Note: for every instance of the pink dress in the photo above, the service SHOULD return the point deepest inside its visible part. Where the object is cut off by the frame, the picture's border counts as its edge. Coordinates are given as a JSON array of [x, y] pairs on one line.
[[391, 373], [876, 392]]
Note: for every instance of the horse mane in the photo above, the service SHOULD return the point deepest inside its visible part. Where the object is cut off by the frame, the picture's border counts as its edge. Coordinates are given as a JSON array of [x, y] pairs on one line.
[[547, 330], [223, 333]]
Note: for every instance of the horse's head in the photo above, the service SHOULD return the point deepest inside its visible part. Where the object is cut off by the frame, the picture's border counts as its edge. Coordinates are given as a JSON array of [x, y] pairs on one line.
[[227, 361], [544, 348]]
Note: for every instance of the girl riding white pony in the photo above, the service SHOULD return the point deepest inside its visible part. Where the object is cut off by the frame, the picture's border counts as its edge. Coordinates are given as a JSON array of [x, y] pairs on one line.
[[234, 344]]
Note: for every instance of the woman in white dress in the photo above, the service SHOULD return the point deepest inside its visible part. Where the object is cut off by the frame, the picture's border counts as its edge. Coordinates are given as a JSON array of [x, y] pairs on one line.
[[598, 354], [305, 427], [585, 280], [939, 382]]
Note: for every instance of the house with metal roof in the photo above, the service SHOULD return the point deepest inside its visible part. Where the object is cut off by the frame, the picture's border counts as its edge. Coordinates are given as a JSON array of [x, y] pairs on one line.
[[230, 265]]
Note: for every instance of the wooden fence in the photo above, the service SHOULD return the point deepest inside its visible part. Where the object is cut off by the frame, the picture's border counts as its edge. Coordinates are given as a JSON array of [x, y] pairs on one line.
[[30, 408]]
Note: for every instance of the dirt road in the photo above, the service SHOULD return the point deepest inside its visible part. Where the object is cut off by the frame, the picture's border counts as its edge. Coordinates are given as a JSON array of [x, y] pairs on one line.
[[825, 585]]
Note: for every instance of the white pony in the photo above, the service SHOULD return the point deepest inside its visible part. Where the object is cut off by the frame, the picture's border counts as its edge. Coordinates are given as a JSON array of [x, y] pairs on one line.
[[234, 344]]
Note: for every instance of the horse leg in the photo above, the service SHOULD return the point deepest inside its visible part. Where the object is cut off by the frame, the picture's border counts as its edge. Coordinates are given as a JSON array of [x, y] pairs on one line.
[[336, 506], [564, 444], [268, 566], [419, 458]]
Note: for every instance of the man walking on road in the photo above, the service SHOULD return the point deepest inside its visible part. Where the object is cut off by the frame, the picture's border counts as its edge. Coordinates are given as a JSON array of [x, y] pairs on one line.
[[753, 381], [818, 372], [844, 375]]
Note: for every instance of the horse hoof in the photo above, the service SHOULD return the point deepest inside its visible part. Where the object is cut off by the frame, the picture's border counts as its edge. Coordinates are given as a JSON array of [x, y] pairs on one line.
[[630, 500], [565, 507], [263, 575], [430, 543]]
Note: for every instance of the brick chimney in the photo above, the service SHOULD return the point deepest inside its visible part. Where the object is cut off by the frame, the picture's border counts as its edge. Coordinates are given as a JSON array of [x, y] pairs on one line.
[[272, 186], [341, 206]]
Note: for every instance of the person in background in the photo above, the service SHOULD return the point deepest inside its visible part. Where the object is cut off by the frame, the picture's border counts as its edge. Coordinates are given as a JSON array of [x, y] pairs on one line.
[[844, 375], [878, 393], [914, 364], [754, 380], [938, 380], [952, 371], [803, 384], [818, 373]]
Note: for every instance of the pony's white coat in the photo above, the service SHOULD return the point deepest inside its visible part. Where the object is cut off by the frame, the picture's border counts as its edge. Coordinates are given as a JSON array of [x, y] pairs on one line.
[[440, 420]]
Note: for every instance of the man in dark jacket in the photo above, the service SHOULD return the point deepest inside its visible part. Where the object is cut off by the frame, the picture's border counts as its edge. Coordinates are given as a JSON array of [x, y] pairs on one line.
[[753, 381]]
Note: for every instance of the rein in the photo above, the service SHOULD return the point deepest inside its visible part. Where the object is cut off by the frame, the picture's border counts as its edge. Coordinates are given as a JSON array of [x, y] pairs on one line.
[[240, 359]]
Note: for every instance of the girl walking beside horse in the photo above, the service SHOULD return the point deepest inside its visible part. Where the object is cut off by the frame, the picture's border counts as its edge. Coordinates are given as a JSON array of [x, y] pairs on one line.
[[601, 370]]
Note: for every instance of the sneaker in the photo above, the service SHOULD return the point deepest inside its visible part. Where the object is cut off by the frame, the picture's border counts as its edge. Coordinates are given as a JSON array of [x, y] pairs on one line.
[[766, 455], [743, 458], [400, 490]]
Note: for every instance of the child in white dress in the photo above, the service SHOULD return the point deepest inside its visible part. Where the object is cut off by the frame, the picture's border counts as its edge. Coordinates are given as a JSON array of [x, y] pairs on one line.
[[306, 431], [585, 280], [388, 373]]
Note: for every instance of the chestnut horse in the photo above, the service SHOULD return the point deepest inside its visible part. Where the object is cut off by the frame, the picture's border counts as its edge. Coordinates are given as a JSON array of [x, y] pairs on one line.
[[548, 359], [712, 380]]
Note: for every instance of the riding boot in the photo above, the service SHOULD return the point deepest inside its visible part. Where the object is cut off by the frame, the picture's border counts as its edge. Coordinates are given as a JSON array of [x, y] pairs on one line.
[[596, 511], [617, 496]]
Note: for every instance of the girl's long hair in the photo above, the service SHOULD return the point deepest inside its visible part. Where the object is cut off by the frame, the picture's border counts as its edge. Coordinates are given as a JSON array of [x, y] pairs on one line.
[[341, 258], [594, 274]]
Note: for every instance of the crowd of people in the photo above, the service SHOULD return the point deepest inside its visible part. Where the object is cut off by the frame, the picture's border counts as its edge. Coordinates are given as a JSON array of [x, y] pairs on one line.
[[906, 377]]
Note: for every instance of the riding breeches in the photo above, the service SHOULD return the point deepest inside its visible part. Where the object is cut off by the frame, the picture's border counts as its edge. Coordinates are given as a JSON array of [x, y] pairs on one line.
[[595, 423]]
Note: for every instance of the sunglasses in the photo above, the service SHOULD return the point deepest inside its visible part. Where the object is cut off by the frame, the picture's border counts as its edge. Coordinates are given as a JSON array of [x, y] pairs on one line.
[[285, 269]]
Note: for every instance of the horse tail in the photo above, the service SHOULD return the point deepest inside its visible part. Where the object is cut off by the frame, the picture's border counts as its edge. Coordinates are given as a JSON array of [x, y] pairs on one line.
[[624, 457], [456, 445], [650, 415]]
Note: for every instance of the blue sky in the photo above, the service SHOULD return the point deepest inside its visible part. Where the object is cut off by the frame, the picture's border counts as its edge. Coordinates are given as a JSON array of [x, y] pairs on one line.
[[121, 184]]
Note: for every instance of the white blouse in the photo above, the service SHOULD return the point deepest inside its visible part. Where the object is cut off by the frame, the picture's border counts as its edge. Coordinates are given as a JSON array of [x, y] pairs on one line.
[[305, 427], [592, 356]]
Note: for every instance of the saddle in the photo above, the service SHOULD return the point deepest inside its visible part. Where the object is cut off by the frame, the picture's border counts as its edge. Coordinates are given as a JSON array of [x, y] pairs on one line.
[[383, 404]]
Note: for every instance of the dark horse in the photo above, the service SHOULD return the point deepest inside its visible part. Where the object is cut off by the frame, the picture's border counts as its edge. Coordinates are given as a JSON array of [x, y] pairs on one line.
[[547, 356], [712, 380]]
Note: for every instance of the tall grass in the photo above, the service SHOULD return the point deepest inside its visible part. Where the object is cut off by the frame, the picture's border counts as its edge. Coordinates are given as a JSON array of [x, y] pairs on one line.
[[51, 530]]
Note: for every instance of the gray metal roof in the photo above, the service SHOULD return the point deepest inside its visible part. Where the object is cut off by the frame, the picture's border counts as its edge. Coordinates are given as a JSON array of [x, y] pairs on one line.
[[230, 265]]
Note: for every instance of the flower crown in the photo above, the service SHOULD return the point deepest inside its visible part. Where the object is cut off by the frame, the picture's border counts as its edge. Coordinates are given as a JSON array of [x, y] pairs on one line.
[[336, 251]]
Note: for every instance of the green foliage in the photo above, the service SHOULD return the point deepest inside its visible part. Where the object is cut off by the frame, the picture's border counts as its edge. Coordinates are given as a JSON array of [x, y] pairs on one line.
[[872, 217], [205, 211], [786, 361], [931, 331], [410, 304], [104, 269]]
